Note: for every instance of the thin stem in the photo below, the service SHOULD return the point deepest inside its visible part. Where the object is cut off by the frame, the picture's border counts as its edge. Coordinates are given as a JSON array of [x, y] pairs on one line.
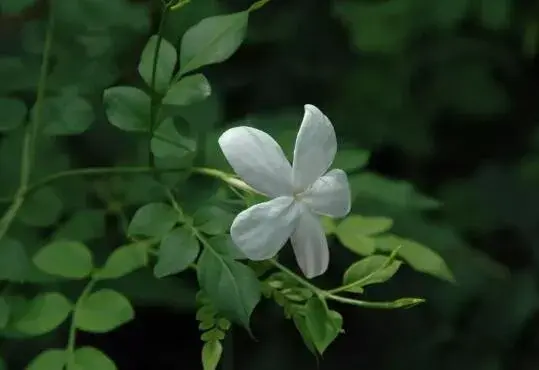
[[296, 277], [156, 97], [30, 133], [72, 336], [399, 303]]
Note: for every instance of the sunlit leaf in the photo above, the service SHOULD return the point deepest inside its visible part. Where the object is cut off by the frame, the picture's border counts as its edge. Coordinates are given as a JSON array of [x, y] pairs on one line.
[[103, 311], [68, 259]]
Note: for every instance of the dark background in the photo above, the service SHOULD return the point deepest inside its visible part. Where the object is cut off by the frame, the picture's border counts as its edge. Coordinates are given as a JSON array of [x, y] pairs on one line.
[[445, 96]]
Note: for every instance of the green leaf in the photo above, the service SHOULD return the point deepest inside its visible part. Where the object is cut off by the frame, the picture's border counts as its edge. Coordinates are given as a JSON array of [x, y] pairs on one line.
[[68, 259], [169, 143], [447, 14], [41, 208], [67, 114], [418, 256], [355, 232], [13, 7], [368, 226], [14, 260], [83, 225], [90, 358], [153, 220], [370, 270], [213, 220], [50, 359], [13, 113], [333, 322], [316, 313], [127, 108], [232, 287], [164, 67], [212, 40], [351, 159], [225, 246], [178, 249], [5, 312], [103, 311], [395, 193], [329, 225], [189, 90], [124, 260], [44, 314], [211, 354], [495, 14]]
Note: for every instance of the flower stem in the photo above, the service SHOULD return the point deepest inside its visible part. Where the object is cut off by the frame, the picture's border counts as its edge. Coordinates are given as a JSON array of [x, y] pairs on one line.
[[296, 277], [30, 133]]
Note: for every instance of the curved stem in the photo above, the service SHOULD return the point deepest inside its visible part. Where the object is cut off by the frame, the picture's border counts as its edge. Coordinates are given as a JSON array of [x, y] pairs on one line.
[[31, 133], [72, 336], [399, 303]]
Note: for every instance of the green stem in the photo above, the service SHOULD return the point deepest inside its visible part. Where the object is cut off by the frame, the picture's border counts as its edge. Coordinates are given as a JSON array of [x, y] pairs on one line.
[[296, 277], [156, 97], [72, 336], [31, 133], [399, 303]]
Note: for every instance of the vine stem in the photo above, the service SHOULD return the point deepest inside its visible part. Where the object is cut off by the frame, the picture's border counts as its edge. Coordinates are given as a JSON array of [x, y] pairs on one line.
[[31, 133], [72, 336]]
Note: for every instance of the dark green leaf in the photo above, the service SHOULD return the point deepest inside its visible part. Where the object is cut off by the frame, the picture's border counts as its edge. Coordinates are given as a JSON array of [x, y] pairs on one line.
[[178, 249], [153, 220], [212, 40], [13, 113], [164, 67], [213, 220], [232, 287], [127, 108], [41, 208], [67, 114], [169, 143], [188, 90]]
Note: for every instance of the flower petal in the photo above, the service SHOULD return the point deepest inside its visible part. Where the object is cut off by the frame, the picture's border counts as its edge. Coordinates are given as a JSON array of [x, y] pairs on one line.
[[315, 148], [329, 195], [258, 160], [310, 245], [261, 230]]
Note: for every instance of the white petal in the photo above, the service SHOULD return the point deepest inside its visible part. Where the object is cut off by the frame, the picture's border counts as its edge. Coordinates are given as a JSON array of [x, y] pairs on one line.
[[310, 245], [258, 160], [329, 195], [315, 148], [261, 230]]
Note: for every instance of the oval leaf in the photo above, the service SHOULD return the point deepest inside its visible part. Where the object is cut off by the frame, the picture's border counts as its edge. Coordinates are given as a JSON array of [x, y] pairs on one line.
[[90, 358], [153, 220], [212, 40], [66, 114], [211, 354], [68, 259], [418, 256], [124, 260], [103, 311], [232, 287], [51, 359], [178, 249], [45, 313], [370, 270], [188, 90], [127, 108], [164, 63]]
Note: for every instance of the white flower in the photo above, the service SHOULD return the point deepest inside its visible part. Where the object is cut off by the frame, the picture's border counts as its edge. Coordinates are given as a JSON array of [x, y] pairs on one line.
[[300, 192]]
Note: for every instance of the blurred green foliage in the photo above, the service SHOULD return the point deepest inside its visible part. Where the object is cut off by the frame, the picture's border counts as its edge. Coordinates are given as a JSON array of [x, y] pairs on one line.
[[443, 94]]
